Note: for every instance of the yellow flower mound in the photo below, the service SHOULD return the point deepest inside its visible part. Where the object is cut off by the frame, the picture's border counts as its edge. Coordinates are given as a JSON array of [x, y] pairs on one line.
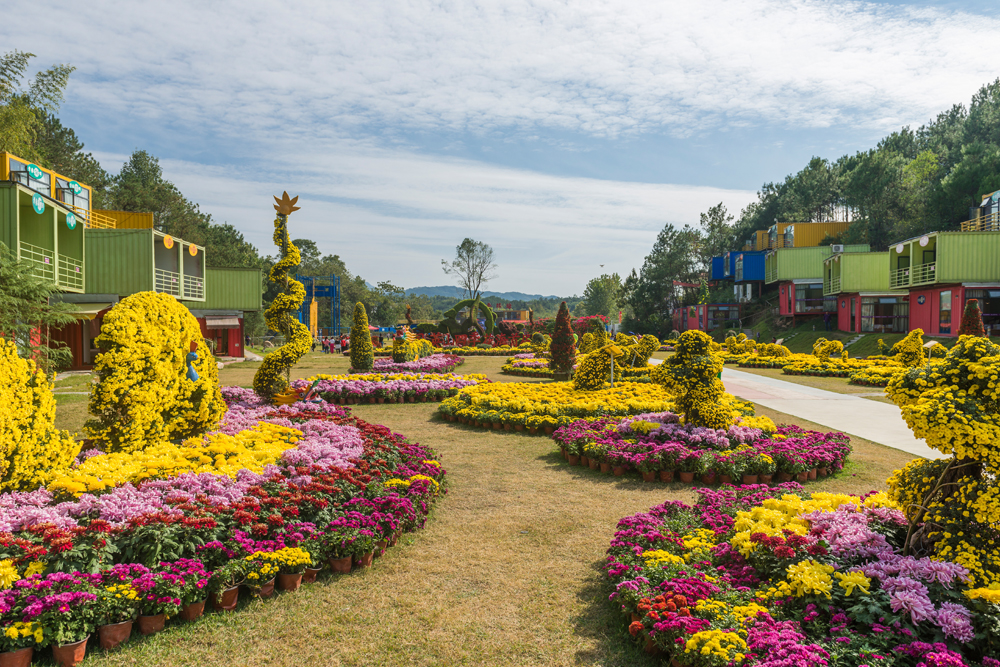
[[692, 375], [659, 558], [726, 646], [30, 446], [989, 594], [396, 483], [144, 395], [8, 574], [556, 399], [776, 514], [853, 580], [807, 578], [218, 454]]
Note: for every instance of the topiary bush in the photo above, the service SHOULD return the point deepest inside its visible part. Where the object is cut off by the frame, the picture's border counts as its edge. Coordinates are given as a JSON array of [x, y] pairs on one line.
[[972, 320], [562, 348], [692, 375], [596, 368], [31, 448], [144, 395], [362, 351], [910, 351], [953, 504], [823, 349], [586, 344]]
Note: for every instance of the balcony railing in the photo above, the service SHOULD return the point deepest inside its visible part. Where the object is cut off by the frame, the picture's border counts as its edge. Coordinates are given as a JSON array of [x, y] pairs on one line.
[[40, 259], [985, 223], [771, 275], [93, 219], [832, 286], [899, 278], [194, 287], [167, 282], [923, 274], [70, 272]]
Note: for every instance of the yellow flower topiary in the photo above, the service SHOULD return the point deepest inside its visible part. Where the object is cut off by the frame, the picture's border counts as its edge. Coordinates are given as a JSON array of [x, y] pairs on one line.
[[362, 351], [31, 449], [272, 376], [144, 394], [692, 375]]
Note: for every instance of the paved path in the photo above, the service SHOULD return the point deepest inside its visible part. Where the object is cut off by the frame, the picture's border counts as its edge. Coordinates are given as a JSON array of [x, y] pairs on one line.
[[871, 420]]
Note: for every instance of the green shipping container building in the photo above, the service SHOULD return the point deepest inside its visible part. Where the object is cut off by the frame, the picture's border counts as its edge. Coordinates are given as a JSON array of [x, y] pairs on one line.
[[126, 261], [803, 263], [944, 257], [233, 289], [855, 272]]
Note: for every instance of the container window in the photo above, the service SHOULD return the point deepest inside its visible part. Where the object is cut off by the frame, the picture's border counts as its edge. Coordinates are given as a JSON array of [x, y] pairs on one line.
[[944, 316]]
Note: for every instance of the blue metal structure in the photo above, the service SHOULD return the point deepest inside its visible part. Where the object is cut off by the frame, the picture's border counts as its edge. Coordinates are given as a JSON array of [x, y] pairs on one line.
[[718, 268], [321, 287], [749, 267]]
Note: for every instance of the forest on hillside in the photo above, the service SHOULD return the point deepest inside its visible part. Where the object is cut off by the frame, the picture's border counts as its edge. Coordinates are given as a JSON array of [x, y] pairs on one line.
[[912, 182]]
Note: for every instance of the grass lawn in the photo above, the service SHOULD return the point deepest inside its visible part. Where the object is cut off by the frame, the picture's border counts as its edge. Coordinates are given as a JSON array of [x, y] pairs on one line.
[[507, 571]]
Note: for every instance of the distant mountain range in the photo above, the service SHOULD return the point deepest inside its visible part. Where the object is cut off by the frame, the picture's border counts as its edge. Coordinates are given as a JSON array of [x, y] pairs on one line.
[[456, 292]]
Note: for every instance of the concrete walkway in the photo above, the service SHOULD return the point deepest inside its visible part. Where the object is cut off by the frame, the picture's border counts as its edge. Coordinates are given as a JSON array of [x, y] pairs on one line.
[[871, 420]]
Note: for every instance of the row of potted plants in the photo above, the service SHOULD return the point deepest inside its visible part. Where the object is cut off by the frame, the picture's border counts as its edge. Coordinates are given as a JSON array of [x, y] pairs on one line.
[[435, 363], [659, 448], [388, 387]]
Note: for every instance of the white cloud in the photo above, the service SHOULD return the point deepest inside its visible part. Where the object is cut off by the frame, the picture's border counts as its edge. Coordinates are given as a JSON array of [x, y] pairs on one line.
[[394, 216], [602, 68]]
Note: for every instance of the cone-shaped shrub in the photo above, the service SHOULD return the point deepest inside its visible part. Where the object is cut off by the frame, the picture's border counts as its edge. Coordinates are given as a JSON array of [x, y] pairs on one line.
[[362, 353], [562, 348], [972, 320]]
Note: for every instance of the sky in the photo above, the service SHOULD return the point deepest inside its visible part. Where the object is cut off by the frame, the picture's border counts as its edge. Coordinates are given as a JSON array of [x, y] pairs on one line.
[[564, 134]]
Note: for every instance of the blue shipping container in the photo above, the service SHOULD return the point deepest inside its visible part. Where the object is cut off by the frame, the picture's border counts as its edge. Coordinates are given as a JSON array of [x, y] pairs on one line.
[[717, 268], [749, 266]]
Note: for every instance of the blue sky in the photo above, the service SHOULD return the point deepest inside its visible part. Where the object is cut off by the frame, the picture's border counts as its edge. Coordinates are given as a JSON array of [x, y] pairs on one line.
[[565, 134]]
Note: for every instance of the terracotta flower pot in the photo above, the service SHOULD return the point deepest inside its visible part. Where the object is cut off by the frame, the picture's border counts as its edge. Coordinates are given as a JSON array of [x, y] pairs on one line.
[[562, 452], [70, 655], [574, 459], [649, 476], [226, 600], [381, 401], [309, 576], [372, 399], [636, 618], [605, 467], [267, 590], [508, 427], [150, 625], [341, 565], [666, 475], [822, 472], [585, 460], [765, 479], [112, 634], [725, 479], [686, 477], [289, 582], [411, 399], [190, 612], [518, 427], [812, 473], [394, 538], [650, 648], [784, 477], [19, 658], [802, 477], [549, 430], [749, 479], [708, 478], [497, 426], [594, 464], [533, 431], [380, 547], [618, 471], [364, 560]]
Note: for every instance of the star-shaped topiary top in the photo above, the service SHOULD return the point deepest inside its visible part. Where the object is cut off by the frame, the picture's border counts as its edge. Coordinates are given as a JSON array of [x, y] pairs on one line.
[[286, 206]]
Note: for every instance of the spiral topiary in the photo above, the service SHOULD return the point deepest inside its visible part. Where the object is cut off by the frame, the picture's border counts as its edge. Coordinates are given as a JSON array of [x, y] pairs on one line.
[[144, 395], [692, 375], [272, 376], [31, 448], [562, 347], [362, 351]]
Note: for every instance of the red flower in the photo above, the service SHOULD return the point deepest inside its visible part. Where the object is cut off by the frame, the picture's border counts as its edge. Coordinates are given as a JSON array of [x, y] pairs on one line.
[[784, 552]]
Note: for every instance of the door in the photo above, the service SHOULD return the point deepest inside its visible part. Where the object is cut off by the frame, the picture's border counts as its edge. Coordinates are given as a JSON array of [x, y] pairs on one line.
[[854, 313]]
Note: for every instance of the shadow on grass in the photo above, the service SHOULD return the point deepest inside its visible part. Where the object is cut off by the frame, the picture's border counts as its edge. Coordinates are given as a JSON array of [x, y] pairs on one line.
[[602, 623], [631, 481]]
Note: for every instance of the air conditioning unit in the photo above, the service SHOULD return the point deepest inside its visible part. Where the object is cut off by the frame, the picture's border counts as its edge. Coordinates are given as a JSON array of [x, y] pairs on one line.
[[836, 248]]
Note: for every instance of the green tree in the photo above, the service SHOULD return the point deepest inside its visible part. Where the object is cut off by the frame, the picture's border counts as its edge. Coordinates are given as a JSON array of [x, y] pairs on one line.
[[717, 234], [362, 350], [473, 266], [61, 150], [28, 313], [601, 296], [21, 108], [873, 188], [653, 294]]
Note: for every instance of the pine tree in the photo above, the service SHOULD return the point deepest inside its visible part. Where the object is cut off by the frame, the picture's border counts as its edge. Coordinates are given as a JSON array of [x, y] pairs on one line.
[[362, 352], [972, 320], [562, 348]]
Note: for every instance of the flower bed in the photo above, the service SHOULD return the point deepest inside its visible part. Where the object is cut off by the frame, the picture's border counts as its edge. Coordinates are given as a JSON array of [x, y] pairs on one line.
[[70, 562], [435, 363], [498, 351], [526, 365], [544, 406], [875, 376], [660, 448], [774, 577], [389, 387]]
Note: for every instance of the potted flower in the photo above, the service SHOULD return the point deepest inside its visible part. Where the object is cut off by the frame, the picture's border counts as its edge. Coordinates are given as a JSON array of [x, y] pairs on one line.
[[224, 585], [261, 572], [18, 641], [194, 587], [68, 617], [313, 545], [159, 597], [690, 464], [363, 547], [758, 467], [728, 466], [338, 541], [116, 608], [291, 562]]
